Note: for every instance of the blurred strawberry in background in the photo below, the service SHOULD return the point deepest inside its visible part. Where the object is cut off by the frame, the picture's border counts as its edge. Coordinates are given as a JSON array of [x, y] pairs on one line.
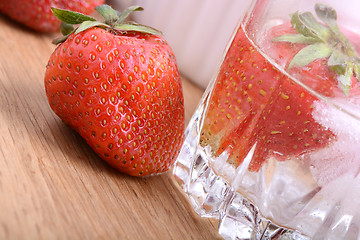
[[37, 15]]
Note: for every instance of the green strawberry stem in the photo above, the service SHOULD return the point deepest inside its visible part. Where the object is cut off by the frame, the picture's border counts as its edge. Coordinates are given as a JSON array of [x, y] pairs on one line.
[[324, 40], [113, 20]]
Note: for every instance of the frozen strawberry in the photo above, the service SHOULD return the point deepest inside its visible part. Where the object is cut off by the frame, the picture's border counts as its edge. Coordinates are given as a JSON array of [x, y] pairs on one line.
[[253, 104]]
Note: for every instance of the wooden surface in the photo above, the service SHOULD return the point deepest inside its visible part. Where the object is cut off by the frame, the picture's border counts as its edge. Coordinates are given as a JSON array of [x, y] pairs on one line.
[[53, 186]]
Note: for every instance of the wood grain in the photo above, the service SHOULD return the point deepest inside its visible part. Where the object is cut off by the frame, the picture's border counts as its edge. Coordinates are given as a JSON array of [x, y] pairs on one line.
[[53, 186]]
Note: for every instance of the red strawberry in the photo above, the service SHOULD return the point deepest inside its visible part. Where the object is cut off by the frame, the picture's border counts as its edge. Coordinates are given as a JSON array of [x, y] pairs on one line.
[[242, 90], [37, 15], [121, 91], [254, 104]]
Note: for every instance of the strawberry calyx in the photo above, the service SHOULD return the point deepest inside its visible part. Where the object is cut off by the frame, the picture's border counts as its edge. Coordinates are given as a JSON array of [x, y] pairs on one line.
[[114, 21], [324, 40]]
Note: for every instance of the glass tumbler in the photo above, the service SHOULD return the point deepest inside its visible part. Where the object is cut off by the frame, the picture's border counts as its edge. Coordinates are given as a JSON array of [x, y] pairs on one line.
[[273, 149]]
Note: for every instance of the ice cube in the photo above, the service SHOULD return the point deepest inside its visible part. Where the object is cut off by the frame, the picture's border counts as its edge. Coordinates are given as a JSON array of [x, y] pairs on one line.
[[341, 156]]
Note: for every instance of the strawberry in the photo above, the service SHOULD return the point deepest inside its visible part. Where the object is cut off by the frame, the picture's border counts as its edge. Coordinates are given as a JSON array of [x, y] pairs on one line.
[[253, 105], [117, 84], [37, 15]]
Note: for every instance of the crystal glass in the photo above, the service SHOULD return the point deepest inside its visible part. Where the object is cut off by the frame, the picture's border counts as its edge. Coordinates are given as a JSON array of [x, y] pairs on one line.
[[272, 150]]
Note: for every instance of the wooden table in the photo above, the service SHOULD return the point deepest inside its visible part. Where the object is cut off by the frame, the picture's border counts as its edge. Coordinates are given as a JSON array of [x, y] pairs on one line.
[[53, 186]]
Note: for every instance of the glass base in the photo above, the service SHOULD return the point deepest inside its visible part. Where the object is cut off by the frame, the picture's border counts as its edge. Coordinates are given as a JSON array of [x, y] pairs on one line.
[[212, 196]]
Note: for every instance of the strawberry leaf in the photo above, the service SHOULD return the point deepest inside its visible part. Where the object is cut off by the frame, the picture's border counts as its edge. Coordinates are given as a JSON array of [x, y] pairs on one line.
[[123, 15], [137, 27], [326, 14], [357, 70], [110, 15], [337, 62], [336, 58], [65, 28], [296, 38], [70, 17], [307, 25], [300, 27], [89, 24], [345, 79], [310, 53]]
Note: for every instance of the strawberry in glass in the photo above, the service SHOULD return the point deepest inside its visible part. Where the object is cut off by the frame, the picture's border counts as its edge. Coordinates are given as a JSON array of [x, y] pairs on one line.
[[278, 129]]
